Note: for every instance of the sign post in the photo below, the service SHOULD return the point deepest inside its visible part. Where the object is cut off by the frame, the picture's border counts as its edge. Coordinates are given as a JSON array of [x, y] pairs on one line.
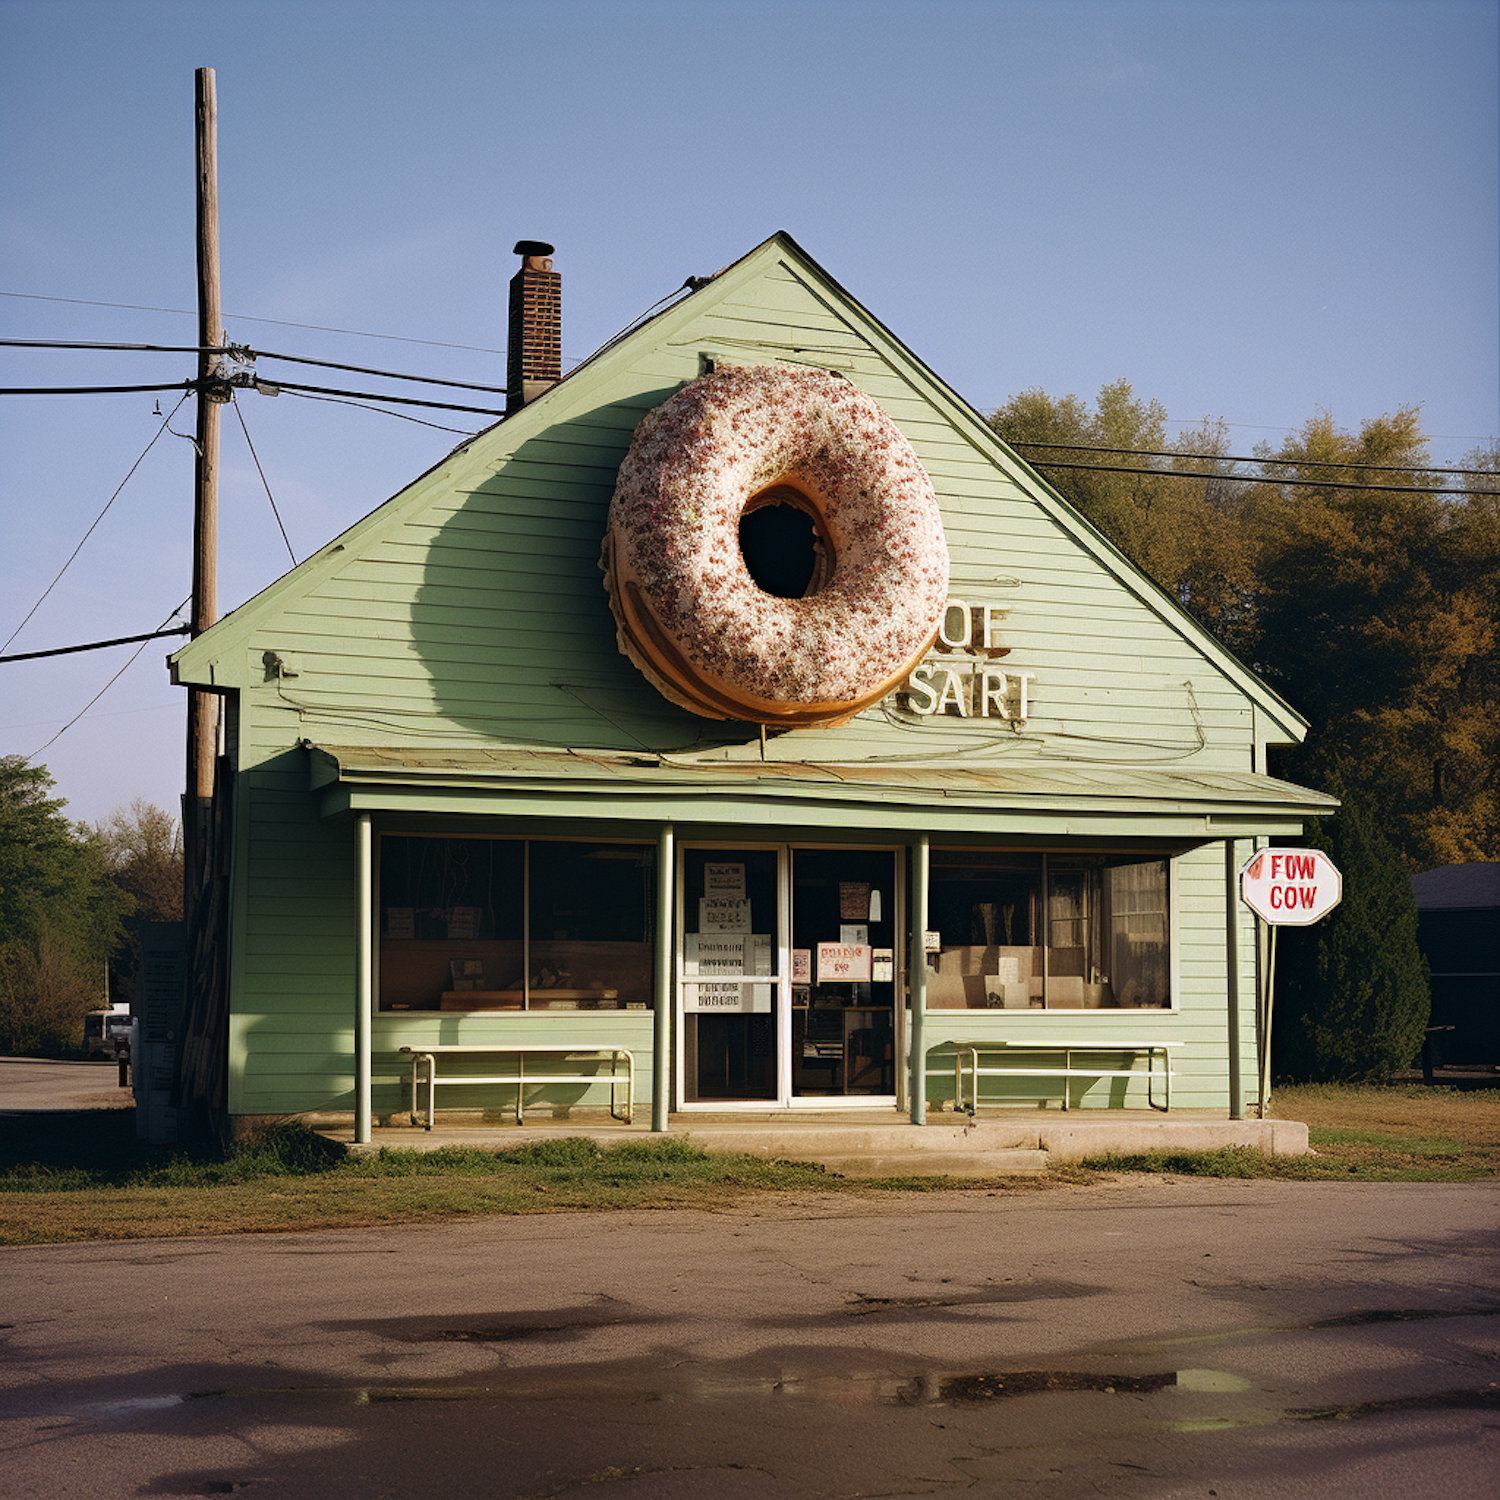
[[1284, 888]]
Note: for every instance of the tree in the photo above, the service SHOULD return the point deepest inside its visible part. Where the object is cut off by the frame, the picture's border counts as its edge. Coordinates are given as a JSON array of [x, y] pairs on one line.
[[142, 849], [1183, 532], [1369, 596], [1378, 615], [59, 915], [1353, 1000]]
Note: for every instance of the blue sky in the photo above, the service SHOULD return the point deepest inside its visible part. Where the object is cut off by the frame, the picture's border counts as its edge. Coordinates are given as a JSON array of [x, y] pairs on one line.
[[1251, 209]]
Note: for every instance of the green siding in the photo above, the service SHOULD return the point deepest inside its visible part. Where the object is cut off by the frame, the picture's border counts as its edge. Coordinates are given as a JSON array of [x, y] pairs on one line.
[[470, 609]]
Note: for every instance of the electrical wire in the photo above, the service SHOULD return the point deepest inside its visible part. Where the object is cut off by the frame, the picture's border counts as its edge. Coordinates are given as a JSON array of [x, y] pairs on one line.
[[358, 333], [329, 364], [380, 411], [234, 401], [1229, 458], [119, 640], [246, 352], [97, 519], [91, 390], [191, 385], [108, 685], [1272, 480], [323, 390], [99, 344]]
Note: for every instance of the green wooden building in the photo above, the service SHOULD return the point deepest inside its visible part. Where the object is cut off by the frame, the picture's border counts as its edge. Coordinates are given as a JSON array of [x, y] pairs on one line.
[[456, 815]]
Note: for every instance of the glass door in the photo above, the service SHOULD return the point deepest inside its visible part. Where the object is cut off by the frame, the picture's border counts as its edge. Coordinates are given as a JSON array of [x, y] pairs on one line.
[[844, 941], [731, 974]]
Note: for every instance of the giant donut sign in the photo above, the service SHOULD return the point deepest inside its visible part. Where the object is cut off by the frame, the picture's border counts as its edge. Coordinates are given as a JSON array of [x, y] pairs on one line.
[[1291, 887]]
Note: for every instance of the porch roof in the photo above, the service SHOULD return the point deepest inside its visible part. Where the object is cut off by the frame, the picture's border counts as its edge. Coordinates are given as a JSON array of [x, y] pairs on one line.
[[898, 796]]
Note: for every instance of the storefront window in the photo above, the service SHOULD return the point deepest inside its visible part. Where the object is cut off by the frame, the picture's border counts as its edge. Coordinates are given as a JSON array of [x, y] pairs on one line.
[[514, 924], [1059, 932]]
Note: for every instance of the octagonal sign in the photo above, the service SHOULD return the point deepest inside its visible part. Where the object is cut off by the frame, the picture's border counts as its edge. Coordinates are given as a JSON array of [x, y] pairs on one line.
[[1291, 887]]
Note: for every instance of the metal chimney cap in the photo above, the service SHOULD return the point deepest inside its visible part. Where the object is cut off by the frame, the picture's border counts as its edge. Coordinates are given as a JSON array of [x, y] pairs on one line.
[[532, 247]]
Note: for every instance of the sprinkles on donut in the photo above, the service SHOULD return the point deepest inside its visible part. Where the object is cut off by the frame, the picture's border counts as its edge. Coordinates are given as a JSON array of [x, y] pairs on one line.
[[689, 612]]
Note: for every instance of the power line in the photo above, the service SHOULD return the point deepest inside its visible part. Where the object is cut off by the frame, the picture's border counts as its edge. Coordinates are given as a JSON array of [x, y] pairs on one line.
[[1229, 458], [380, 411], [97, 519], [323, 390], [253, 454], [101, 344], [108, 685], [1312, 484], [246, 352], [358, 333], [119, 640], [90, 390], [328, 364]]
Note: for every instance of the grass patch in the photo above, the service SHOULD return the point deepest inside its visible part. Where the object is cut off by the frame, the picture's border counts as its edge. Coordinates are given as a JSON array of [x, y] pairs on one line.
[[1359, 1133], [85, 1177]]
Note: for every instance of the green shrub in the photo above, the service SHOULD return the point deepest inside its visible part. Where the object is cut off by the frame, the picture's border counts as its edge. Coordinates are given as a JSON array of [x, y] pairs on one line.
[[1352, 995]]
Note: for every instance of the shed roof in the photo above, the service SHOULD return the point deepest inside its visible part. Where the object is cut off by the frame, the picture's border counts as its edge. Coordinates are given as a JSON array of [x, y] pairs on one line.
[[1454, 887], [981, 797]]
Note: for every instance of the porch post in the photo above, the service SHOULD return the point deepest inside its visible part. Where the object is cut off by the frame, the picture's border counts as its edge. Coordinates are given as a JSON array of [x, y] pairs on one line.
[[363, 963], [917, 979], [666, 938], [1232, 961]]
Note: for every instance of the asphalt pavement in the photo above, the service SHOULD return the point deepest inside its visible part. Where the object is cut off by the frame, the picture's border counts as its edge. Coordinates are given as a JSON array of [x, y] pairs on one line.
[[1156, 1338], [42, 1084]]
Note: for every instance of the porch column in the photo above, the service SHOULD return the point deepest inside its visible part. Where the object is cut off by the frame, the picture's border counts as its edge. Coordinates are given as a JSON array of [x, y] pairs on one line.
[[1232, 962], [363, 964], [917, 978], [661, 1030]]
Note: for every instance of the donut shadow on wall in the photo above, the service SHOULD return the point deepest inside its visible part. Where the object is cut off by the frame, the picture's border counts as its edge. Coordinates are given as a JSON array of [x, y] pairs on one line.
[[510, 624], [775, 552]]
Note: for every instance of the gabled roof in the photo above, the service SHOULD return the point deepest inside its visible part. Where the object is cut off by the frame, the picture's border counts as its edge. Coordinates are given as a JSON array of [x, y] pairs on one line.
[[217, 657]]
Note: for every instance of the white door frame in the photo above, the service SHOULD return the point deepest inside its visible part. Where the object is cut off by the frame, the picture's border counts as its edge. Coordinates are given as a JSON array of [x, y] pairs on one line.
[[782, 1010]]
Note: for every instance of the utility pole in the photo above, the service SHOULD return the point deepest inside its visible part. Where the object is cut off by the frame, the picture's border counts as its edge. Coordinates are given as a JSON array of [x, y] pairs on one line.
[[203, 707]]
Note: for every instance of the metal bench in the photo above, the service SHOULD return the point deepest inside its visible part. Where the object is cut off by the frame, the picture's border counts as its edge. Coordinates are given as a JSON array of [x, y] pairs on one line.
[[425, 1075], [1049, 1059]]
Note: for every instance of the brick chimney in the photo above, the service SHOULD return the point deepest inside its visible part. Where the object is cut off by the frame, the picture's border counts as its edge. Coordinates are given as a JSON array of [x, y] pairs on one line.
[[534, 348]]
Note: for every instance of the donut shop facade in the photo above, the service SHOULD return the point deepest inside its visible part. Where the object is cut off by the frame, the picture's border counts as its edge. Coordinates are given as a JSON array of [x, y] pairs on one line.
[[740, 717]]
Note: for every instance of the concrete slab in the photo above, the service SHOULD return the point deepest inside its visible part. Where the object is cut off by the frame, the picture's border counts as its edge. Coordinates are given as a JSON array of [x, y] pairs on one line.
[[993, 1143]]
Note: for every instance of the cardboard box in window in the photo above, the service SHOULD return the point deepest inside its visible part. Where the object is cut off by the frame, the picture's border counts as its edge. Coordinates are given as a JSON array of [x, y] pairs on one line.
[[1071, 992], [985, 978]]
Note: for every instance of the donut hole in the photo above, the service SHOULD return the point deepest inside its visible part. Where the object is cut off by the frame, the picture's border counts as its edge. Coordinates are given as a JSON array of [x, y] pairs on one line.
[[785, 546]]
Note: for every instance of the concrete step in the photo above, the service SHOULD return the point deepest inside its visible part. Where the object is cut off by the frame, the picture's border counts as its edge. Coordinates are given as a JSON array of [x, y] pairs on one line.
[[853, 1137], [1014, 1163]]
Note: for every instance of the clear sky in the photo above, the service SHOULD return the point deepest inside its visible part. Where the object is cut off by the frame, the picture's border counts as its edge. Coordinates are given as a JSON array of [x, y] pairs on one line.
[[1251, 209]]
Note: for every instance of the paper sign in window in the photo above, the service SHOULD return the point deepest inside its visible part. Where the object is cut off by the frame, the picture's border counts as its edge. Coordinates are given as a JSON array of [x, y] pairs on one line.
[[843, 963], [724, 880], [723, 914]]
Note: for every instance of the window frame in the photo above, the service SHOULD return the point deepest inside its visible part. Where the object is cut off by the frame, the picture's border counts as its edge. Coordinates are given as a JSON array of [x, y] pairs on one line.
[[1151, 853], [525, 840]]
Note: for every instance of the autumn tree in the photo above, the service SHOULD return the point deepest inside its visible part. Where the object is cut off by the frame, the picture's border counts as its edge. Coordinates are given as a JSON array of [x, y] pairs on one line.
[[142, 849], [1365, 591], [1184, 533], [1376, 614]]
